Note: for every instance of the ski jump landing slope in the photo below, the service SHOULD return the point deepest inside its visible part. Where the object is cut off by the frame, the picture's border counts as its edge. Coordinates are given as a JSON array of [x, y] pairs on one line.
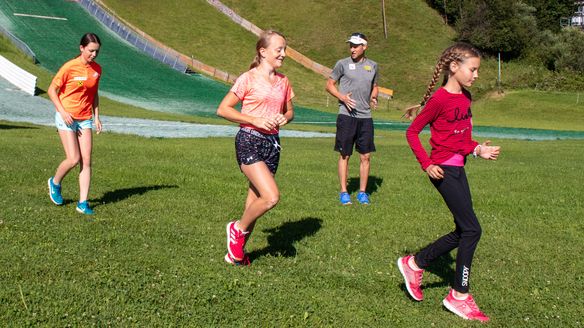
[[53, 28]]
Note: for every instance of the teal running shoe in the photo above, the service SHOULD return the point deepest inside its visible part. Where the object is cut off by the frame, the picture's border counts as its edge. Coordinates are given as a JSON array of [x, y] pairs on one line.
[[83, 208], [363, 198], [55, 192], [345, 198]]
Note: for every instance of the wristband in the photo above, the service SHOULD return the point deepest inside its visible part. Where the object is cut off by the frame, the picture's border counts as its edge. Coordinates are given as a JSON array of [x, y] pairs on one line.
[[474, 153]]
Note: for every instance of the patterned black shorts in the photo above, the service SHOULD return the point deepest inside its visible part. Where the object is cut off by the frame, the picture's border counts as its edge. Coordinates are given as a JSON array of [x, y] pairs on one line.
[[252, 146]]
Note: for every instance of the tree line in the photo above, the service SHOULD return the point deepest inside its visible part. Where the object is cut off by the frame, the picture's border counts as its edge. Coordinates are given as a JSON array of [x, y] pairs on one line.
[[527, 30]]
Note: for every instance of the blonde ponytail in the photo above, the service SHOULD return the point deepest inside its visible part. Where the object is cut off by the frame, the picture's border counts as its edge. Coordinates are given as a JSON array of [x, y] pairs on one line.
[[256, 62]]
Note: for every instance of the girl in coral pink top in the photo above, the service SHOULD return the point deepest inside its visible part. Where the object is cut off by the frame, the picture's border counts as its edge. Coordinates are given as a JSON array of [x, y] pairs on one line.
[[73, 91], [266, 105], [450, 118]]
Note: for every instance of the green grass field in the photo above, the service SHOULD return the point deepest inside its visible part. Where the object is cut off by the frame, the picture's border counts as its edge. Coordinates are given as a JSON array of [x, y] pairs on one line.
[[532, 109], [152, 256]]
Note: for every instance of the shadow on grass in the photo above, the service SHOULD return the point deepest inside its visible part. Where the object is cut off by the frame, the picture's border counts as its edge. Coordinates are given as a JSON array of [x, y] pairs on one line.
[[13, 127], [38, 91], [373, 183], [121, 194], [442, 267], [281, 239]]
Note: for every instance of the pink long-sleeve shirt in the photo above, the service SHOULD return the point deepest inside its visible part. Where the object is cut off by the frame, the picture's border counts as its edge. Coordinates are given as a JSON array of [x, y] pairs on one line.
[[450, 119]]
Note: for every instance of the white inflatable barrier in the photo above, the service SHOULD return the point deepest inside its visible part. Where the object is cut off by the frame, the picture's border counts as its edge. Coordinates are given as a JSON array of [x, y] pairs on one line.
[[17, 76]]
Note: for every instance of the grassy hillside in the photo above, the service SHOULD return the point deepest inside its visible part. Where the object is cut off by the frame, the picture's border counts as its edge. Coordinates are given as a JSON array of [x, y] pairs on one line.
[[405, 58], [416, 37], [416, 34], [195, 28]]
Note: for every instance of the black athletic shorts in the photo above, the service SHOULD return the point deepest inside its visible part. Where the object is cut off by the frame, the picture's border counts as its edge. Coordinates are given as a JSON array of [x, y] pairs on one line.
[[252, 146], [354, 131]]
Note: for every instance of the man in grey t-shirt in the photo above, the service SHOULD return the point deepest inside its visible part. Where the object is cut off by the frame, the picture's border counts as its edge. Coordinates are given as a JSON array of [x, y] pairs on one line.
[[357, 93]]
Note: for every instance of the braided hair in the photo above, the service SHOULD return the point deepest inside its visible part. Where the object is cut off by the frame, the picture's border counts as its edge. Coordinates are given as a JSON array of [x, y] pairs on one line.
[[457, 52]]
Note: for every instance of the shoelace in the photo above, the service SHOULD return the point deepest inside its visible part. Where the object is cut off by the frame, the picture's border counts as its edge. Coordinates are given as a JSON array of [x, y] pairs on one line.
[[240, 234], [418, 276], [472, 305]]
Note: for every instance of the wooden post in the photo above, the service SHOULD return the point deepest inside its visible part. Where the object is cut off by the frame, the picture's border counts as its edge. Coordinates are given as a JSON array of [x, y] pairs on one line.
[[499, 74], [445, 14], [384, 20]]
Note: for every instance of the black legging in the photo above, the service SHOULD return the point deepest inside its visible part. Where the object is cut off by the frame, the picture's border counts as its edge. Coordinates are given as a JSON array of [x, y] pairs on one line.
[[456, 193]]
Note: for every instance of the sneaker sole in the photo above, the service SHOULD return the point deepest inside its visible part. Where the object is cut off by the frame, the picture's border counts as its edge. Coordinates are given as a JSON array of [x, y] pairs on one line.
[[452, 309], [401, 269], [81, 211], [229, 260], [50, 195]]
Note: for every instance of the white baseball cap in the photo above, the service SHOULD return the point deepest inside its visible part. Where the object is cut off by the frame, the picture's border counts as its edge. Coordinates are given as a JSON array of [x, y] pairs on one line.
[[357, 38]]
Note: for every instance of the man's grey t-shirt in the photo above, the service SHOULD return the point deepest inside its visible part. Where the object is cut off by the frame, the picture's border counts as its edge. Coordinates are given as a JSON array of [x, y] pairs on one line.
[[358, 79]]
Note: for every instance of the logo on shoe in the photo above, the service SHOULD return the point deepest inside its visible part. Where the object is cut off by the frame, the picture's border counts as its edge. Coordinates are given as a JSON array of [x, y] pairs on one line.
[[232, 237], [465, 274]]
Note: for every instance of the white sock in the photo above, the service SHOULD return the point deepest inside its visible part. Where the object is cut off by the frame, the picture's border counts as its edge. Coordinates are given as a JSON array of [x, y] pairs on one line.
[[239, 228], [458, 298], [412, 264]]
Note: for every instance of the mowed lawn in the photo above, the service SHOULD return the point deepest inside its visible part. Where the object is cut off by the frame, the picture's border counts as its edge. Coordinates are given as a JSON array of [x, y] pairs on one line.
[[152, 256]]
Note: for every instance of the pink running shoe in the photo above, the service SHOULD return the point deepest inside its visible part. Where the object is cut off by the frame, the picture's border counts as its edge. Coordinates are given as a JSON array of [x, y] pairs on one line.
[[230, 260], [413, 278], [466, 309], [235, 241]]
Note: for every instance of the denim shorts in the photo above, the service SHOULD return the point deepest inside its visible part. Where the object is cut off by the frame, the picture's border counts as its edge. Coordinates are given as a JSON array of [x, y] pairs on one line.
[[75, 126], [252, 146]]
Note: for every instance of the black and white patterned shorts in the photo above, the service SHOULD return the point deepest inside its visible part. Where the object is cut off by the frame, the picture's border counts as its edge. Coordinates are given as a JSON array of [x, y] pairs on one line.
[[252, 146]]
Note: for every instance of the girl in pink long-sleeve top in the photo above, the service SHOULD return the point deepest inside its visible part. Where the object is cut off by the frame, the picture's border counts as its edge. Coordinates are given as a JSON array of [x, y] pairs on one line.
[[448, 112]]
